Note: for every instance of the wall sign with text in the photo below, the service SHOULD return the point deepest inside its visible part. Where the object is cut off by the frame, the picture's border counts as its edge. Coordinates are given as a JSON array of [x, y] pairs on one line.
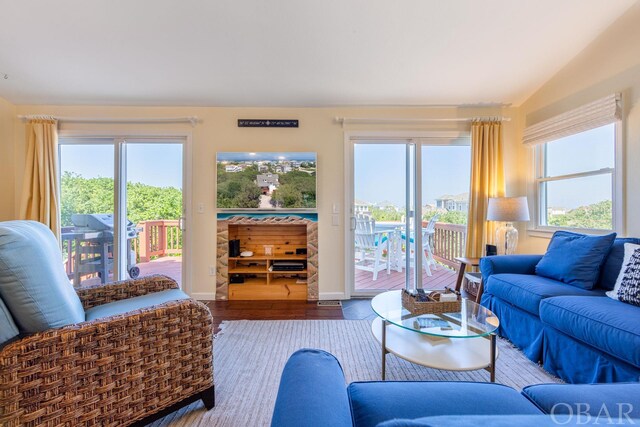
[[259, 123]]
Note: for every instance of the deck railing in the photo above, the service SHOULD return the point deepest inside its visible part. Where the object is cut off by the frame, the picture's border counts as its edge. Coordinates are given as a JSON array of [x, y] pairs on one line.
[[448, 243], [158, 238]]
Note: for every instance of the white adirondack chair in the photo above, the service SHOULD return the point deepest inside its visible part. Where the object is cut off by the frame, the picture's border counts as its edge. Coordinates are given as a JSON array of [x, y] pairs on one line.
[[427, 252], [370, 245]]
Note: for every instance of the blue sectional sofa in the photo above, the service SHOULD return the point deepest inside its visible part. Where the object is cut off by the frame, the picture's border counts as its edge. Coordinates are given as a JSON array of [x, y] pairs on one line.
[[578, 334], [313, 393]]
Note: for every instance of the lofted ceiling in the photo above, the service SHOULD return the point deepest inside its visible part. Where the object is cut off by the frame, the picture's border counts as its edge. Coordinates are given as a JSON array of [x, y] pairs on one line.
[[296, 53]]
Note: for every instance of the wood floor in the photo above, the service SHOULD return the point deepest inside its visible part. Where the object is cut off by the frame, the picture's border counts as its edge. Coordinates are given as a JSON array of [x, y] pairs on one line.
[[270, 310]]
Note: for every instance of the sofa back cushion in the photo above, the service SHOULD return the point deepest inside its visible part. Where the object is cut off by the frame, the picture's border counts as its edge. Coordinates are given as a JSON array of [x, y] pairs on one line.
[[575, 259], [613, 263], [33, 283], [8, 328]]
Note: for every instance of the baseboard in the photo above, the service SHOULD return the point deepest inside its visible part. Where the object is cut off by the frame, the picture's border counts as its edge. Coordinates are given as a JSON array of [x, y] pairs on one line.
[[203, 296], [332, 295]]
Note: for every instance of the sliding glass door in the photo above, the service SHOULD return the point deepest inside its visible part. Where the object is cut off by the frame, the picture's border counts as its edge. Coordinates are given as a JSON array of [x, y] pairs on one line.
[[409, 201], [122, 208]]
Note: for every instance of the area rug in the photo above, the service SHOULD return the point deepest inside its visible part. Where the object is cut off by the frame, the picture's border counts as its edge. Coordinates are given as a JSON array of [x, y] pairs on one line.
[[249, 357]]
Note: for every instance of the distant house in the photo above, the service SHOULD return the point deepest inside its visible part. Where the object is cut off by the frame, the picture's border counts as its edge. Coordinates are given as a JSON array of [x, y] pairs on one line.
[[295, 164], [263, 168], [556, 211], [386, 205], [458, 202], [233, 168], [361, 207], [286, 169], [267, 182]]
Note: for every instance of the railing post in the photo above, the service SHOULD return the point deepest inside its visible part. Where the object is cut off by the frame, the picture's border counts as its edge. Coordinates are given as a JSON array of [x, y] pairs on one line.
[[145, 242]]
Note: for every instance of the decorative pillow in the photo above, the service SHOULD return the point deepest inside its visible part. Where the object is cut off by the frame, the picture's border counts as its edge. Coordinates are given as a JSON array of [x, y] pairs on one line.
[[627, 288], [575, 259]]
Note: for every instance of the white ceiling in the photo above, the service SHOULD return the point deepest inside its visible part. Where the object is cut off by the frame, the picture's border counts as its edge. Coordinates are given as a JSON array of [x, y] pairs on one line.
[[290, 52]]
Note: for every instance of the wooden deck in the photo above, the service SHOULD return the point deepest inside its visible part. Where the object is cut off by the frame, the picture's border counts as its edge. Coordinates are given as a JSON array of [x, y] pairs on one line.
[[169, 266], [440, 277]]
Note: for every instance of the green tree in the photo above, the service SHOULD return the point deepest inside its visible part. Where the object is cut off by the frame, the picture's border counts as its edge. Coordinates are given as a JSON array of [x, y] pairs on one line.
[[445, 216], [238, 189], [595, 216], [96, 195], [386, 214]]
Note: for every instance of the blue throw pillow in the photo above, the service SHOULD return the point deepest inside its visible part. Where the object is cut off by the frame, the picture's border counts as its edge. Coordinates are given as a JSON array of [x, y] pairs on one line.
[[575, 259]]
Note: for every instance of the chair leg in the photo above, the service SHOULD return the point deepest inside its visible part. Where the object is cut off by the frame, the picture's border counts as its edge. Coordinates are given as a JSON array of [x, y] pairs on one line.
[[388, 257], [432, 261], [376, 263], [425, 263], [208, 397]]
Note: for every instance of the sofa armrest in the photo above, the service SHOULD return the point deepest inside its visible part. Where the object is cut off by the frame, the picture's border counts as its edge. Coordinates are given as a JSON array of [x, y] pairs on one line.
[[109, 371], [110, 292], [312, 392], [514, 264]]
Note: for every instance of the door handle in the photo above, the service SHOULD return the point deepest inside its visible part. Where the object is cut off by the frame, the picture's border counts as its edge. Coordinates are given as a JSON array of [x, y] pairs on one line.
[[181, 223], [353, 223]]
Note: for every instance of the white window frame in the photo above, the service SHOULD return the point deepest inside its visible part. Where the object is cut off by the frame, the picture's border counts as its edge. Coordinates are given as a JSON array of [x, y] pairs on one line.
[[419, 139], [118, 139], [617, 188]]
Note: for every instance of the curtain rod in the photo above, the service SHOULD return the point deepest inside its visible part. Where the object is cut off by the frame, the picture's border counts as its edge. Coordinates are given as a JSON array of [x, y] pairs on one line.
[[345, 120], [192, 119]]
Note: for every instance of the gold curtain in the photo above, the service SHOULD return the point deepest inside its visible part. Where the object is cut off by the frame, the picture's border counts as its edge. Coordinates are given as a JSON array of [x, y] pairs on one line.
[[487, 180], [40, 185]]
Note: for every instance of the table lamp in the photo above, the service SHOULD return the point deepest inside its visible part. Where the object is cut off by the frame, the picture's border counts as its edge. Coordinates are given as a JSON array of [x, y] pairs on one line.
[[508, 210]]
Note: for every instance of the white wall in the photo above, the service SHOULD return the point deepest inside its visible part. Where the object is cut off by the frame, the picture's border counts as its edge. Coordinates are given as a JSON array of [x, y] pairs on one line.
[[609, 64], [7, 172]]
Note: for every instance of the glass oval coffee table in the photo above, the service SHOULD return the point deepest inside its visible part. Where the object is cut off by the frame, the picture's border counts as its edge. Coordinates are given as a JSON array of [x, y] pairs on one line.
[[458, 341]]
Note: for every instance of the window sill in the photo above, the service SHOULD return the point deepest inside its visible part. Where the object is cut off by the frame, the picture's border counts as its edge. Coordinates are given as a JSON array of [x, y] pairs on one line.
[[545, 234]]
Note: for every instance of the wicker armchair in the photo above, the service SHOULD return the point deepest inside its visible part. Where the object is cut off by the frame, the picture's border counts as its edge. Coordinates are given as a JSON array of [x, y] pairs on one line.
[[114, 371]]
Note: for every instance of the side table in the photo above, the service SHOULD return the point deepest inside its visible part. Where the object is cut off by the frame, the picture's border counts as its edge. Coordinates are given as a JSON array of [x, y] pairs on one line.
[[474, 279]]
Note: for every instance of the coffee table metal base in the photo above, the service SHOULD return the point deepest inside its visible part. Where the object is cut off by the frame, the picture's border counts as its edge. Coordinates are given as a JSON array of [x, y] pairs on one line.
[[449, 354]]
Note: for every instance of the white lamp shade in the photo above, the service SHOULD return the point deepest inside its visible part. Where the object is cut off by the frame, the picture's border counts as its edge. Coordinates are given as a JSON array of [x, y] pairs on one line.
[[509, 209]]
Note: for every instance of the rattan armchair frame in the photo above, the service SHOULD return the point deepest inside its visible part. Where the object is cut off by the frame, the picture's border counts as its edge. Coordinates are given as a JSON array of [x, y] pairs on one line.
[[115, 371]]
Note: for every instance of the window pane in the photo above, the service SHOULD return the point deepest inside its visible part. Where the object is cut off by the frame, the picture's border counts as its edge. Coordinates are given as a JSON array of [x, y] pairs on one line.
[[86, 211], [380, 188], [154, 207], [578, 203], [582, 152]]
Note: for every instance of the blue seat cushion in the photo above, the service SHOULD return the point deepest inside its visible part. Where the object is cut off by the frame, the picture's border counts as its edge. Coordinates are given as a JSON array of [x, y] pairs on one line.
[[610, 326], [510, 421], [575, 259], [612, 265], [525, 291], [376, 402], [574, 398], [33, 283], [135, 303], [8, 328]]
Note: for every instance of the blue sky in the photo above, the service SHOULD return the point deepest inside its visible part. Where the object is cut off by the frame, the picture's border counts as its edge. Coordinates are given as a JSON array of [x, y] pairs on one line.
[[300, 156], [159, 165], [379, 172], [379, 168]]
